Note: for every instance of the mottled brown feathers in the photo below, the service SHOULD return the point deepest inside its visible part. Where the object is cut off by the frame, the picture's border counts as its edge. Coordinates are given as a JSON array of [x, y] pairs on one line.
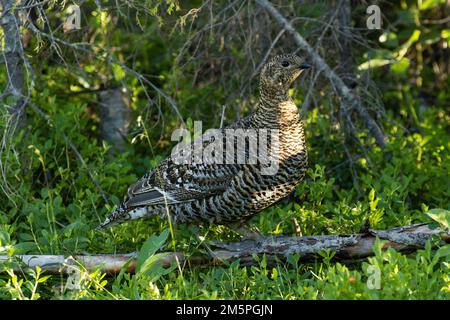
[[229, 192]]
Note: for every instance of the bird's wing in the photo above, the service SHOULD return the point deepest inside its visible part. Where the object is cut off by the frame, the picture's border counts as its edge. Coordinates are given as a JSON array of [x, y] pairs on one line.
[[172, 183]]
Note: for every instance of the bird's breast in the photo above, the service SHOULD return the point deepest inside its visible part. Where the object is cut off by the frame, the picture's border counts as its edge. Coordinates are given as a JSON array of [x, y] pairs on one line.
[[291, 137]]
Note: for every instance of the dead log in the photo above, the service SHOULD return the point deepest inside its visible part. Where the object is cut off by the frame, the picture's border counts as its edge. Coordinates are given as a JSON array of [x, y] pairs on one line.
[[352, 247]]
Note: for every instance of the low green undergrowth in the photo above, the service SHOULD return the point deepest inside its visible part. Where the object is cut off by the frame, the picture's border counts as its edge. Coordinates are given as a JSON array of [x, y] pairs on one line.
[[56, 199]]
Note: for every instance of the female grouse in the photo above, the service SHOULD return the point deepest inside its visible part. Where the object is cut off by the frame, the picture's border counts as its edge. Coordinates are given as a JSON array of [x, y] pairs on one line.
[[230, 191]]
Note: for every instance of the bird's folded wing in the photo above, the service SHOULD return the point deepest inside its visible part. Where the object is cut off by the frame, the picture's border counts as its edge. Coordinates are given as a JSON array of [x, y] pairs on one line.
[[172, 183]]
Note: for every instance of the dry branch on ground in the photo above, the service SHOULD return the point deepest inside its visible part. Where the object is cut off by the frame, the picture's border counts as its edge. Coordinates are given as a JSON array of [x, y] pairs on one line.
[[352, 247]]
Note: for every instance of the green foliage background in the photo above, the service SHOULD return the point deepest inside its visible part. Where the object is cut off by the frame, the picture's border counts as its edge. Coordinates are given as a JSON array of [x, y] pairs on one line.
[[50, 203]]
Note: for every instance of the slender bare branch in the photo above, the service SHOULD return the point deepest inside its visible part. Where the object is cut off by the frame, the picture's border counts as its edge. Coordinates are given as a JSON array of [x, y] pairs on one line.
[[105, 56]]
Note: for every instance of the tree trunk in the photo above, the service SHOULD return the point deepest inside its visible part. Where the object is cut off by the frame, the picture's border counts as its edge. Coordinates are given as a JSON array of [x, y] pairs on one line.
[[115, 116], [14, 59]]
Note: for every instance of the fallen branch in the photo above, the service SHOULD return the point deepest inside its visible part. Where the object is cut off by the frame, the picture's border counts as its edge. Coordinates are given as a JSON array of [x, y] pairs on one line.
[[351, 247], [342, 89]]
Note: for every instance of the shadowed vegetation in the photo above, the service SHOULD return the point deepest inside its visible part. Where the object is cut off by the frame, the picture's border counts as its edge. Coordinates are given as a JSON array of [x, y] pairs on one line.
[[186, 61]]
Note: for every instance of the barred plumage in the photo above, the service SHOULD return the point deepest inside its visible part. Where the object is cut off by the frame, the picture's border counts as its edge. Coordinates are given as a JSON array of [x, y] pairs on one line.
[[226, 193]]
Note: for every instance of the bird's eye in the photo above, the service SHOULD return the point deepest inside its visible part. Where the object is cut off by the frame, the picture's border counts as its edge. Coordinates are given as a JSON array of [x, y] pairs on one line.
[[285, 63]]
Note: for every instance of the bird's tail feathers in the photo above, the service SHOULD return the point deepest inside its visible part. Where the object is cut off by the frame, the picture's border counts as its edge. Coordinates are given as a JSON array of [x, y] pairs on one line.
[[119, 216]]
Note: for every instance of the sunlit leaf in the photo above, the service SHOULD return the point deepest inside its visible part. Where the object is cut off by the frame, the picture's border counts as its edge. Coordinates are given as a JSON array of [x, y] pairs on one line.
[[150, 246], [441, 216]]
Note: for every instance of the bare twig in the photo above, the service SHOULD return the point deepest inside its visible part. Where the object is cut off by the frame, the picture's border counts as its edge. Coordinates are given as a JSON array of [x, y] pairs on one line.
[[105, 56]]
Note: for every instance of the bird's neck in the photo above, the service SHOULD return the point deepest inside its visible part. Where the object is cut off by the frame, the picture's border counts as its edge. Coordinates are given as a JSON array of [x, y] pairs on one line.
[[277, 106], [271, 98]]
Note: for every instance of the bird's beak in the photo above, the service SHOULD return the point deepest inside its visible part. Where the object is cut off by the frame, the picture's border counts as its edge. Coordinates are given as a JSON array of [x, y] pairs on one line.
[[304, 66]]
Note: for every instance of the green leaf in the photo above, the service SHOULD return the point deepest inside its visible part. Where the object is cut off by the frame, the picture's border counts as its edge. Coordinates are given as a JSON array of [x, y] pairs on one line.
[[189, 123], [404, 47], [400, 67], [431, 37], [445, 34], [153, 267], [374, 63], [149, 248], [43, 279], [443, 251], [440, 215], [25, 247], [119, 74], [428, 4], [372, 195]]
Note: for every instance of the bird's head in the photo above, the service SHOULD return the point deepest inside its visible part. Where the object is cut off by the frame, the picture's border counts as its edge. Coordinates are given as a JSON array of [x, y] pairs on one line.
[[281, 71]]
